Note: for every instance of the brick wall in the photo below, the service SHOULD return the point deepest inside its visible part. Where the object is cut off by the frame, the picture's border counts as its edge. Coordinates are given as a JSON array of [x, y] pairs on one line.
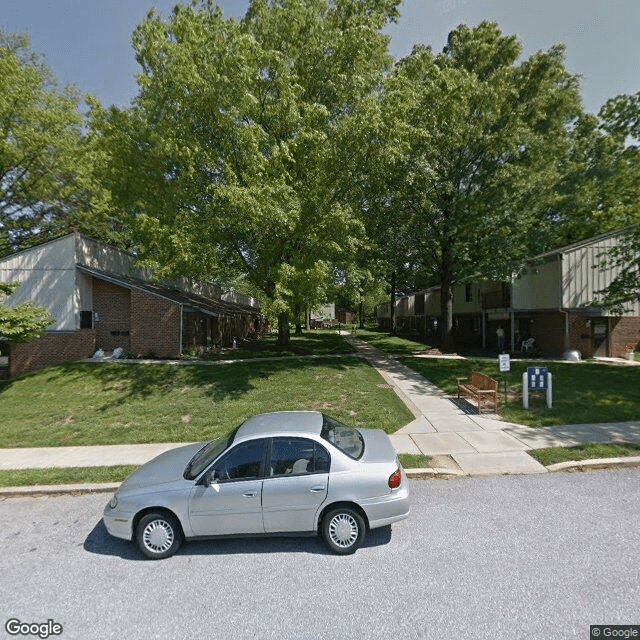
[[548, 329], [155, 325], [52, 348], [623, 332], [113, 306]]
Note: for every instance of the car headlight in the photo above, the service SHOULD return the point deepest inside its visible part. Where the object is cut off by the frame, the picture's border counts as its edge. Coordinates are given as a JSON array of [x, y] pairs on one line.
[[113, 503]]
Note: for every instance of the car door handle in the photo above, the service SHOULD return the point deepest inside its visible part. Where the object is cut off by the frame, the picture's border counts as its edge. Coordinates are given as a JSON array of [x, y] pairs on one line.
[[250, 494], [318, 488]]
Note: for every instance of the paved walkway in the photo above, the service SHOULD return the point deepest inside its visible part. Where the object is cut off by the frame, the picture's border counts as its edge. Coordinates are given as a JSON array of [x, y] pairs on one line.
[[478, 444], [448, 431]]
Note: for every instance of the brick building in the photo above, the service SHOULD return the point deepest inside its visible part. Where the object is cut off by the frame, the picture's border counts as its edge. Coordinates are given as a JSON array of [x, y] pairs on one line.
[[549, 300], [99, 300]]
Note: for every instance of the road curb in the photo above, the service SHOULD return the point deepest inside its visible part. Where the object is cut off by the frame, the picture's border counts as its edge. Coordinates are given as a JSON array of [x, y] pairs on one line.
[[58, 490], [598, 463], [413, 474], [418, 474], [111, 487]]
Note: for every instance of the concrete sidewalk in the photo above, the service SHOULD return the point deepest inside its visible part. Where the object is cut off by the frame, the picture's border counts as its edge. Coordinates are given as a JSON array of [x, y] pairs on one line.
[[445, 427]]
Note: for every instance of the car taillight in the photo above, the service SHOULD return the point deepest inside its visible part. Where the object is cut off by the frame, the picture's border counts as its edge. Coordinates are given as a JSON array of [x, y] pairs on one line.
[[395, 479]]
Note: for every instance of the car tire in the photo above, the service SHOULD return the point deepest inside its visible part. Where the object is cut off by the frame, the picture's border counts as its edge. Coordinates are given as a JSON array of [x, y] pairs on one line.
[[343, 530], [158, 535]]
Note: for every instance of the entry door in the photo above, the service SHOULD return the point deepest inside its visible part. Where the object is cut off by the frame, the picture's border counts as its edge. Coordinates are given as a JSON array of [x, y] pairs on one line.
[[600, 338], [232, 503], [296, 484], [226, 508]]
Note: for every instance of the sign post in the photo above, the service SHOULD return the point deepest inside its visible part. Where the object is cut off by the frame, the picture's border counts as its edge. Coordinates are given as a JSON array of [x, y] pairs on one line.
[[504, 363], [537, 379]]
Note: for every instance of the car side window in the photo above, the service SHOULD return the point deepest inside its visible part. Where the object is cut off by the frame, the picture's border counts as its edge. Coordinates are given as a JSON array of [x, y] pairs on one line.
[[243, 462], [297, 456]]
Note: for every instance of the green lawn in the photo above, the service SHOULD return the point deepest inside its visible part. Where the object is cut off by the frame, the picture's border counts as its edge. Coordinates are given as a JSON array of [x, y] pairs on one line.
[[111, 402], [72, 475], [312, 342], [588, 451], [413, 460], [582, 392], [391, 344]]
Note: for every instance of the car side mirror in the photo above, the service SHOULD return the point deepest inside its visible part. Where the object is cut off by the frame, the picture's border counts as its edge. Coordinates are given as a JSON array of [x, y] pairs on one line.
[[211, 478]]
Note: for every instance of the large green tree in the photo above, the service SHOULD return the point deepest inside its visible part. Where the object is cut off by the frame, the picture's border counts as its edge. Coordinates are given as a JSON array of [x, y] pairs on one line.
[[620, 121], [475, 137], [232, 159], [44, 177]]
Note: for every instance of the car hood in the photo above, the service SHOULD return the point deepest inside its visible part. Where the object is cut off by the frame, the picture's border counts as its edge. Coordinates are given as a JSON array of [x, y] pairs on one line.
[[165, 468], [377, 446]]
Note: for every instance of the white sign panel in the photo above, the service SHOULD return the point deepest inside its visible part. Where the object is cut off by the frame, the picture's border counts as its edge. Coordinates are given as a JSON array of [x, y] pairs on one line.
[[505, 362]]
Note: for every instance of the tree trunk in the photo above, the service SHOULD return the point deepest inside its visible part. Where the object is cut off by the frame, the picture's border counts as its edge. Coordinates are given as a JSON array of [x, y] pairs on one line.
[[361, 314], [446, 306], [284, 333], [298, 320], [392, 329]]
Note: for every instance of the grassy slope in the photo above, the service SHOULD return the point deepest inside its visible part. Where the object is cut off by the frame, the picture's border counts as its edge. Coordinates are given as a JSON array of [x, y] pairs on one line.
[[109, 403]]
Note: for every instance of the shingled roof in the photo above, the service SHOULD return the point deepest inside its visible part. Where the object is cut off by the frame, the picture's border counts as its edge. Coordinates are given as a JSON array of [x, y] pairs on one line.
[[189, 301]]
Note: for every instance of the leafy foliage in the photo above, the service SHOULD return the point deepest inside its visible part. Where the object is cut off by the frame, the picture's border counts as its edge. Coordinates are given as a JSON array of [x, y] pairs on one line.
[[23, 322], [620, 118], [232, 159], [472, 160], [44, 177]]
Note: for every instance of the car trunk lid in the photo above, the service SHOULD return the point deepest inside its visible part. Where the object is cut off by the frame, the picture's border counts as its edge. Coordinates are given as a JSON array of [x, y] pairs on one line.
[[377, 446]]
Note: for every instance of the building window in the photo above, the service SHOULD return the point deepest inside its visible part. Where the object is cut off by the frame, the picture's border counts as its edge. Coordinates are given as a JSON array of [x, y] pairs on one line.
[[468, 294], [86, 319]]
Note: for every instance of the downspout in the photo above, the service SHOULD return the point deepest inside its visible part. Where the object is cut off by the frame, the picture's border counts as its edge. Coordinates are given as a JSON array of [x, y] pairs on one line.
[[181, 321], [563, 310]]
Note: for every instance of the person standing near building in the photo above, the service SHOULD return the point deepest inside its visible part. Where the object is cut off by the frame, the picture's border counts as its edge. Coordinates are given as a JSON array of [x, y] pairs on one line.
[[500, 336]]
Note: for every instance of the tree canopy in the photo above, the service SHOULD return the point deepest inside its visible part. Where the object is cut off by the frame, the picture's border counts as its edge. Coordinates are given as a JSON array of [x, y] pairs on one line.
[[233, 158], [475, 137], [620, 119], [44, 178]]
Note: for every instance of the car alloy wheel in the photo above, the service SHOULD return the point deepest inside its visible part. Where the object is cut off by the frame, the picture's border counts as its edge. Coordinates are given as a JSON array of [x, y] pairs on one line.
[[343, 530], [158, 535]]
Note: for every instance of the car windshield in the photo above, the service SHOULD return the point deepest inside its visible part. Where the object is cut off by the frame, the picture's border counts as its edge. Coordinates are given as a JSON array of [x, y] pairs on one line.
[[206, 455], [348, 440]]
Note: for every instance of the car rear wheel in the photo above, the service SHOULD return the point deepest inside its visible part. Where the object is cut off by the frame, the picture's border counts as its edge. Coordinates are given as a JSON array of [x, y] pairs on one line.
[[343, 530], [158, 535]]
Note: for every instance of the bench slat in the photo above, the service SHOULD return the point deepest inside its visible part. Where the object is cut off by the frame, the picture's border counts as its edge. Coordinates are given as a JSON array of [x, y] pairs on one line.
[[481, 388]]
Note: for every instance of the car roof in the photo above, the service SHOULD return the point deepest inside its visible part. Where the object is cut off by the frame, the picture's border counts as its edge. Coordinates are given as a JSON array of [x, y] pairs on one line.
[[267, 424]]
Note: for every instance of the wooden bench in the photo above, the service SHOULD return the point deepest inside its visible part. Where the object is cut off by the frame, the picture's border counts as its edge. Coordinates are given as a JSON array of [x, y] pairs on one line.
[[482, 388]]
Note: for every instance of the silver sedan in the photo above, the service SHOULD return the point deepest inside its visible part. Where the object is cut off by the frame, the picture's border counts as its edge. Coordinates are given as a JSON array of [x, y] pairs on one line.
[[289, 472]]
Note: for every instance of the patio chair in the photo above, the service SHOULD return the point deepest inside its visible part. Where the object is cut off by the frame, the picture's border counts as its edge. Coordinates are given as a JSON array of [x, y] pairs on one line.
[[527, 345]]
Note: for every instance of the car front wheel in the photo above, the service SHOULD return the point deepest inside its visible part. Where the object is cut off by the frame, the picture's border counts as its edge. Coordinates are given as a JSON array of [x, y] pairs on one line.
[[343, 529], [158, 535]]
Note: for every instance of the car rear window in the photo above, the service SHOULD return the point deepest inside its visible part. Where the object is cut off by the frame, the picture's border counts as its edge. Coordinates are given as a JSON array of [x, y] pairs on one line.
[[348, 440]]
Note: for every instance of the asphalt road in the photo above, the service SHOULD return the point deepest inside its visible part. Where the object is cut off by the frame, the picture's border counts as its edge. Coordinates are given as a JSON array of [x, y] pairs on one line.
[[500, 557]]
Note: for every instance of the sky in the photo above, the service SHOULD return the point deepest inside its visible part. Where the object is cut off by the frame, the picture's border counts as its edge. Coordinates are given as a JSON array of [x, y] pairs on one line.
[[88, 42]]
